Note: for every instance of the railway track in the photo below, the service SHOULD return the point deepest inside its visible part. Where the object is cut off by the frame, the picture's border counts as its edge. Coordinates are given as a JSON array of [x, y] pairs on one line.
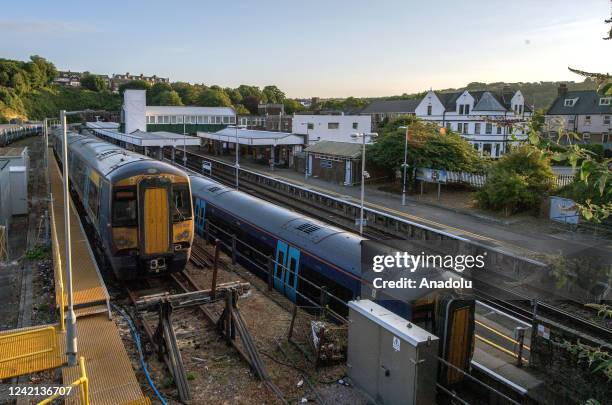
[[568, 312]]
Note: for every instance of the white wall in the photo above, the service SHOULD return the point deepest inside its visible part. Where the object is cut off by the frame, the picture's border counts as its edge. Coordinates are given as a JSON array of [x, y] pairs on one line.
[[134, 109], [320, 127]]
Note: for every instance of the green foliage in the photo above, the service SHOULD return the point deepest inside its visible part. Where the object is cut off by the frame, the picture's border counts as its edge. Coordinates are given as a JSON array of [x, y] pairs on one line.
[[189, 93], [214, 98], [134, 85], [191, 376], [518, 181], [426, 148], [168, 97], [36, 253], [292, 106], [241, 110], [47, 103], [93, 82], [598, 361], [273, 94]]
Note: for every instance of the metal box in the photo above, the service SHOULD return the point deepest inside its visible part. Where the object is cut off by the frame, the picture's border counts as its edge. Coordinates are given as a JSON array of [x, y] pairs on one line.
[[391, 359]]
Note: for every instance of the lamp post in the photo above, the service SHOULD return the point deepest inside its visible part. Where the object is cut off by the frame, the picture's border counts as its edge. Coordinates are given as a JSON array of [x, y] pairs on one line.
[[306, 146], [237, 150], [363, 137], [405, 165], [71, 336], [184, 143]]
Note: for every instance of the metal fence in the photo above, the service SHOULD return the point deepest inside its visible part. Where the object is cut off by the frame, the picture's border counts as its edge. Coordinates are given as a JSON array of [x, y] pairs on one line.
[[478, 180]]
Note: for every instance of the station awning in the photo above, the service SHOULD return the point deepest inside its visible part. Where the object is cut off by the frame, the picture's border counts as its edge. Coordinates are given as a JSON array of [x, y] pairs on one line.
[[253, 137], [140, 138]]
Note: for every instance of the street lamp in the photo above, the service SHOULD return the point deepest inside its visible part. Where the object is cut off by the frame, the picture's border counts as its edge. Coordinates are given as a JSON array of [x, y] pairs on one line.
[[237, 150], [306, 146], [363, 137], [405, 165], [71, 336]]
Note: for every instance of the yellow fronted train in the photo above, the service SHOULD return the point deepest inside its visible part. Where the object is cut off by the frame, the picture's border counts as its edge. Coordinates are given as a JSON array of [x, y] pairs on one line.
[[140, 208]]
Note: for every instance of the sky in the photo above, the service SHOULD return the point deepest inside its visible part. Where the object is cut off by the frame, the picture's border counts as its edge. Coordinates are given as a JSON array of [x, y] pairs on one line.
[[331, 48]]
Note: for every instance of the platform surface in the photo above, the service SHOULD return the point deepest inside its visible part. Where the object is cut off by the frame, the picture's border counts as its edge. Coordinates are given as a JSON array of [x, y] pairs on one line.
[[88, 287], [32, 349]]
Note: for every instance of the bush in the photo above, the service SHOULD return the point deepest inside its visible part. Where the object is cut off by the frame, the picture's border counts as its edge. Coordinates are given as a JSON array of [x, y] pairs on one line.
[[517, 182]]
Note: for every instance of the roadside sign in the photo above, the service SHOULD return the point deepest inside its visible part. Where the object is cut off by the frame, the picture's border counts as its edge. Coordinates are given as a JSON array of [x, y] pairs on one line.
[[431, 175]]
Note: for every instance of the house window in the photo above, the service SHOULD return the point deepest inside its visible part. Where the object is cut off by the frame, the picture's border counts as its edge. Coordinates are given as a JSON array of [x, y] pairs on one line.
[[428, 110], [200, 119], [569, 102], [520, 109], [333, 125], [489, 128], [586, 136], [448, 126], [465, 128], [606, 120], [587, 120], [355, 125], [460, 127], [499, 130], [467, 109], [310, 125], [605, 138], [460, 109], [179, 119], [605, 101], [226, 119], [173, 119], [477, 128]]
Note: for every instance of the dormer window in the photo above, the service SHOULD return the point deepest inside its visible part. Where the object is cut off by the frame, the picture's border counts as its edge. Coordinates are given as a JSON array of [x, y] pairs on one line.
[[464, 109], [605, 101], [569, 102]]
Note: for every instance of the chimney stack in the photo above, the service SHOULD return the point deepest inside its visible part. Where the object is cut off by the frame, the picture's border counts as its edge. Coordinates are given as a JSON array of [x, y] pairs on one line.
[[562, 89]]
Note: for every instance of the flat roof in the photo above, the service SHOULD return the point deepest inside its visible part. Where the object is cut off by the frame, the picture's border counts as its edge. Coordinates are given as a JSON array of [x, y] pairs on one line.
[[13, 151], [253, 137], [140, 138], [332, 148], [188, 110], [102, 125]]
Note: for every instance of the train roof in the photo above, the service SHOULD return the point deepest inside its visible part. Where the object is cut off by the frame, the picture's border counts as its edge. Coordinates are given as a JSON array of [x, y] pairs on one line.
[[330, 243], [114, 162]]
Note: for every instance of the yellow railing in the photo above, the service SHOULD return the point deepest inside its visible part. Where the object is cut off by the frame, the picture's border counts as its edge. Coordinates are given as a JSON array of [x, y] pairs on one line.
[[83, 382], [57, 265], [49, 330], [497, 346]]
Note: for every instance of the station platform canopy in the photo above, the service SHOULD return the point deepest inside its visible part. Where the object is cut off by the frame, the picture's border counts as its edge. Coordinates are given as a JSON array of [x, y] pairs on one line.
[[148, 139], [253, 137]]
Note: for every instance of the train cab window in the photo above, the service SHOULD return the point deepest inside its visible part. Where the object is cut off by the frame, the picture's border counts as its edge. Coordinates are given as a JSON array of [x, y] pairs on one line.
[[182, 203], [125, 207]]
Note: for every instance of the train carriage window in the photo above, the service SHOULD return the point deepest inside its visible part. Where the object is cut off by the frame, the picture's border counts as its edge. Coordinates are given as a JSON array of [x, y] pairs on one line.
[[291, 267], [125, 207], [181, 202]]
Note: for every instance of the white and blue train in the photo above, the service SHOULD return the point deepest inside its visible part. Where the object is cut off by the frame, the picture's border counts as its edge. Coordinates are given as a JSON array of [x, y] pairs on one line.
[[308, 253]]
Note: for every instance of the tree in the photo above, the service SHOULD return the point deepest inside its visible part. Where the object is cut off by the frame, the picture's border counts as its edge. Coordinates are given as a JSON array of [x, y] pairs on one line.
[[134, 85], [292, 106], [273, 94], [241, 110], [169, 97], [251, 103], [156, 90], [518, 181], [426, 148], [214, 98], [234, 95], [93, 82], [189, 93], [246, 91]]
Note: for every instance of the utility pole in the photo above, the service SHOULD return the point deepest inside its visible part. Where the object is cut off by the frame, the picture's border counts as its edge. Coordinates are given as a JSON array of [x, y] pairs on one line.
[[237, 150], [71, 335]]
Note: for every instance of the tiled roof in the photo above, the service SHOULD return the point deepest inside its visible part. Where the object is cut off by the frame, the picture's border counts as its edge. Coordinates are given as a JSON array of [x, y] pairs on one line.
[[391, 106], [587, 102]]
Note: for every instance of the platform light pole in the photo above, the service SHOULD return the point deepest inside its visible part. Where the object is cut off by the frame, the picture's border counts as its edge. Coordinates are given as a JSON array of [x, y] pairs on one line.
[[237, 151], [306, 146], [363, 136], [71, 335], [405, 165]]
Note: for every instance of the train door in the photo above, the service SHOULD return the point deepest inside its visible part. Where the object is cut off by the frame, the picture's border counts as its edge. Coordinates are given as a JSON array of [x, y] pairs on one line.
[[155, 217], [292, 273], [280, 265], [200, 215]]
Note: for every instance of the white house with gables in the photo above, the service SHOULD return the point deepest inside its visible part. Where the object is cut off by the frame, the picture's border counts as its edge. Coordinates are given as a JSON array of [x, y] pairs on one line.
[[487, 120]]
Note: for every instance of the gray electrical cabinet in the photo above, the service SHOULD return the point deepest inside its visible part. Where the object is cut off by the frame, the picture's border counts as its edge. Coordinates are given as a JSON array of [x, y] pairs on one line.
[[391, 359]]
